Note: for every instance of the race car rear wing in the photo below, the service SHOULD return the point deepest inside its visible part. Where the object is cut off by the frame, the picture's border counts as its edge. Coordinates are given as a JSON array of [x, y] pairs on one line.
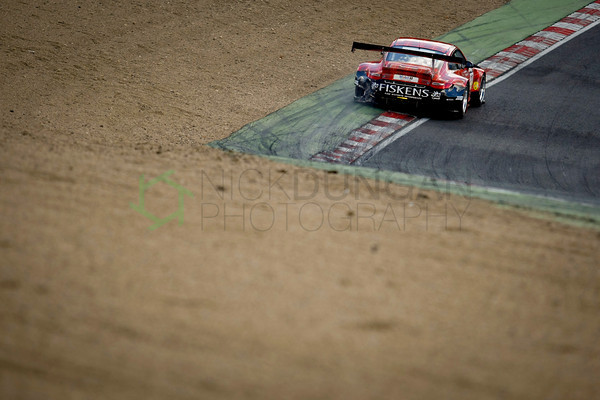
[[433, 56]]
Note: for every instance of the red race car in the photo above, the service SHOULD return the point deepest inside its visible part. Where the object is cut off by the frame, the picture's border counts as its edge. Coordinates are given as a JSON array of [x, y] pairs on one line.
[[420, 71]]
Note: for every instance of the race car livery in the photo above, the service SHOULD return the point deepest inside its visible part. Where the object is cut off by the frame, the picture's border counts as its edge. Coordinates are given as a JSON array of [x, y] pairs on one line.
[[420, 71]]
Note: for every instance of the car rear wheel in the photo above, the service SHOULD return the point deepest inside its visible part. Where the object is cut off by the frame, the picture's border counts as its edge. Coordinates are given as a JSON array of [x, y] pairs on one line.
[[461, 109], [479, 95], [358, 92]]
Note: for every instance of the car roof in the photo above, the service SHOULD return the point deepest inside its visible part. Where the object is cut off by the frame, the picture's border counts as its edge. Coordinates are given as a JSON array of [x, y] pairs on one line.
[[444, 48]]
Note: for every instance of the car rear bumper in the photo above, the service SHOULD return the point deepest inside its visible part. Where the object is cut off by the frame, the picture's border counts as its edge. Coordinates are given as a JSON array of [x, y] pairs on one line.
[[386, 91]]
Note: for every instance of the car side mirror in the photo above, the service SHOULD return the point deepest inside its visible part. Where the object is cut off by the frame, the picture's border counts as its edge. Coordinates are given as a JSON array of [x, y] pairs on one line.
[[469, 64]]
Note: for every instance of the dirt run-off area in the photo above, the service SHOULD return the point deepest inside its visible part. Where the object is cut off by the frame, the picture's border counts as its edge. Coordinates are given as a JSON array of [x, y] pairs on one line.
[[281, 281]]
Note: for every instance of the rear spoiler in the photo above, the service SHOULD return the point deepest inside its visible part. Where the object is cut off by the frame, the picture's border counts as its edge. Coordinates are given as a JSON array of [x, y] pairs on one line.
[[433, 56]]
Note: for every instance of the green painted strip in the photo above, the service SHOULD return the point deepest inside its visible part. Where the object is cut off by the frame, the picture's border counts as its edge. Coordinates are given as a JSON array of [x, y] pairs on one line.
[[507, 25], [322, 120], [319, 121]]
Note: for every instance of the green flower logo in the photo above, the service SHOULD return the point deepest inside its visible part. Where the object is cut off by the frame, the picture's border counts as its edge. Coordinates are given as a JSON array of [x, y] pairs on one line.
[[140, 207]]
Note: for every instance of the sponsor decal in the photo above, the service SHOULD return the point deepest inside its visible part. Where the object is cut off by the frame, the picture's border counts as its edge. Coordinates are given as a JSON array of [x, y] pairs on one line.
[[407, 91], [436, 95], [475, 85]]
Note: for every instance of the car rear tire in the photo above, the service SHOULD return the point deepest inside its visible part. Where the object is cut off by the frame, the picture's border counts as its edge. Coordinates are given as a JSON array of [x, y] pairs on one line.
[[479, 95], [358, 92], [461, 110]]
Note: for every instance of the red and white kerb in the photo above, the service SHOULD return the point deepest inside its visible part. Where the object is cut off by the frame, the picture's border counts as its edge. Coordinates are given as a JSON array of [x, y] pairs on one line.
[[364, 138]]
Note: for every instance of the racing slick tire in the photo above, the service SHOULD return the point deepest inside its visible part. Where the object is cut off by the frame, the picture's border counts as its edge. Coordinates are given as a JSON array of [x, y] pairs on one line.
[[358, 93], [479, 95], [461, 109]]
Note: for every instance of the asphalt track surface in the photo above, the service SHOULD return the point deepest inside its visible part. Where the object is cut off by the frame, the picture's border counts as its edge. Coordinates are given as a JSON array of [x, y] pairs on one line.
[[538, 133]]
